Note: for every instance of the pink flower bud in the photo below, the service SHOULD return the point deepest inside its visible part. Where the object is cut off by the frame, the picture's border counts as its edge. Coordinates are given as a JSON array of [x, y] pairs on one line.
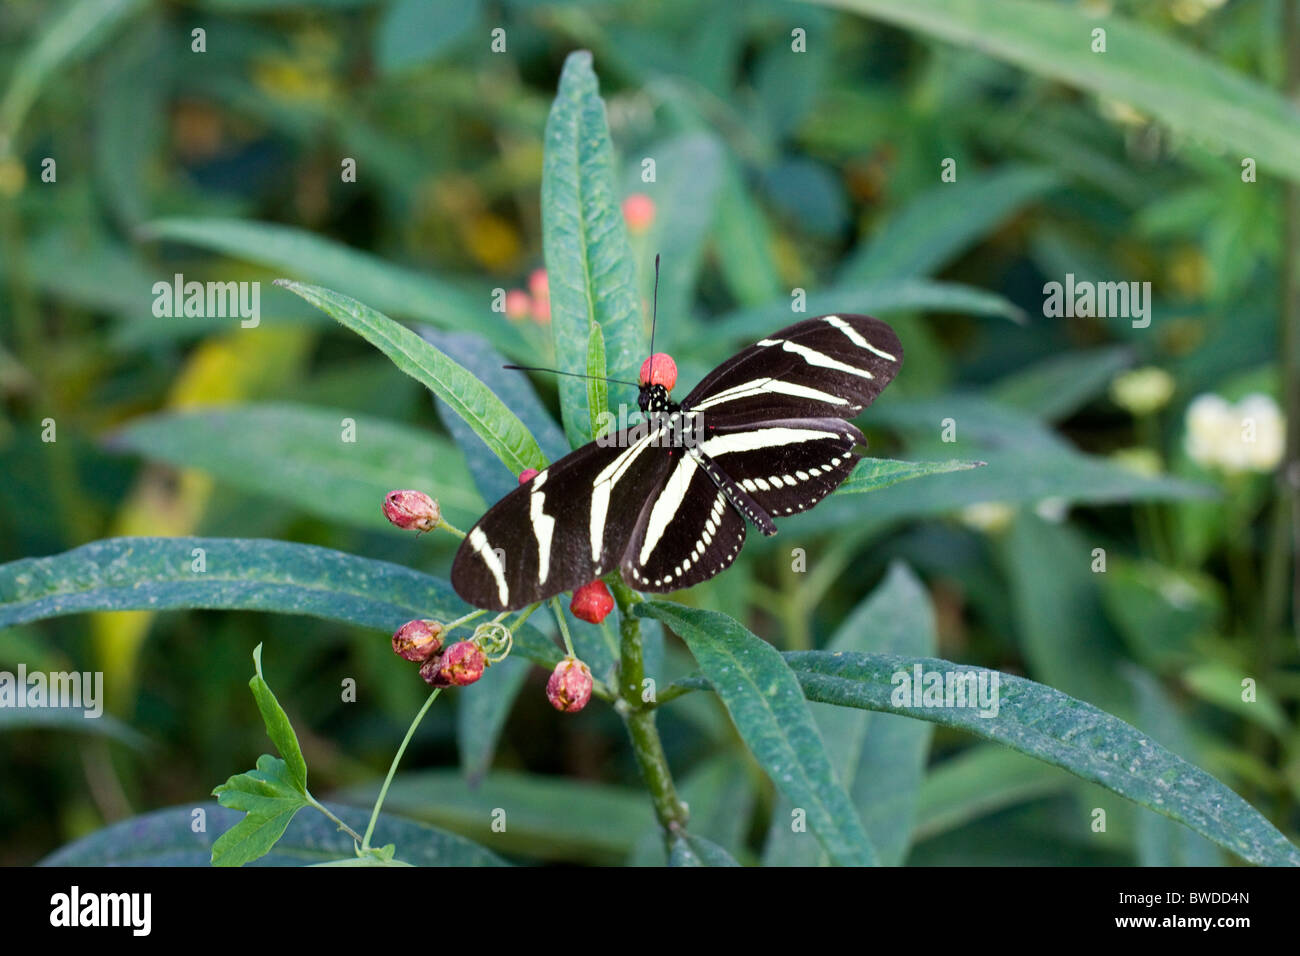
[[518, 304], [639, 213], [527, 475], [592, 602], [418, 640], [412, 510], [458, 666], [659, 369], [569, 686], [542, 311], [539, 285]]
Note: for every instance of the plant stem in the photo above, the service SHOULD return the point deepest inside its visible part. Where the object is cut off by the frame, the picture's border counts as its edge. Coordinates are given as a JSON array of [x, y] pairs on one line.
[[392, 770], [564, 627], [1284, 544], [356, 837], [445, 525], [640, 719]]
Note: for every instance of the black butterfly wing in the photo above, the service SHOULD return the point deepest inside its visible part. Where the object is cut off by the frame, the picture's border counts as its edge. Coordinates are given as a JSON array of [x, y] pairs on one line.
[[787, 465], [831, 366], [567, 526], [686, 533]]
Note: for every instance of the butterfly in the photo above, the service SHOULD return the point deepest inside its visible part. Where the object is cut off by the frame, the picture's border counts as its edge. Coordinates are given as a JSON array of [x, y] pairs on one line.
[[765, 435]]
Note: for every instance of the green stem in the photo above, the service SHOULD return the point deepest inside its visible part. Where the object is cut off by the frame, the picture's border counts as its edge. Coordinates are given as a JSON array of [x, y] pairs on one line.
[[1283, 560], [356, 837], [564, 627], [397, 758], [445, 525], [640, 719]]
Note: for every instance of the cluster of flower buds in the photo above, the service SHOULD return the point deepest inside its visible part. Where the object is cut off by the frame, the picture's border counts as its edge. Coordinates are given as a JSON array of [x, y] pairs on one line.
[[412, 510], [534, 303], [421, 643], [458, 666]]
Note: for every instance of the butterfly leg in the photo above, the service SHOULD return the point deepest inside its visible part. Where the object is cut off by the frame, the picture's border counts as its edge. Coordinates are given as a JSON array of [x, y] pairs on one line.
[[739, 498]]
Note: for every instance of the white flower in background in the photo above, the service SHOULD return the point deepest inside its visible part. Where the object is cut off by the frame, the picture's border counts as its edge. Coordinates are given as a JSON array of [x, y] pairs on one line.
[[1263, 432], [1248, 436], [1208, 420], [1143, 390], [988, 516]]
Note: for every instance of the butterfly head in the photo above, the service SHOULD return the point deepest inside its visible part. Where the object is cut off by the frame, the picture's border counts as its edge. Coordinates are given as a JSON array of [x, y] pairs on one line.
[[657, 378]]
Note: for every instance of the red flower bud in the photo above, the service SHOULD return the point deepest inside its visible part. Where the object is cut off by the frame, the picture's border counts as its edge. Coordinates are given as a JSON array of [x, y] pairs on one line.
[[528, 474], [542, 310], [418, 640], [518, 304], [659, 369], [458, 666], [592, 602], [412, 510], [539, 285], [639, 213], [569, 686]]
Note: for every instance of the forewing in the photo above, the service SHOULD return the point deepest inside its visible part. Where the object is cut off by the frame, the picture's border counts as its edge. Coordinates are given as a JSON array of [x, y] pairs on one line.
[[687, 531], [831, 366], [567, 526], [786, 466]]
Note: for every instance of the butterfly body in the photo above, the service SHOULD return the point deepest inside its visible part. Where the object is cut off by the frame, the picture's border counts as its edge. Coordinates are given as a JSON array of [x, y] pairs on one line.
[[765, 435]]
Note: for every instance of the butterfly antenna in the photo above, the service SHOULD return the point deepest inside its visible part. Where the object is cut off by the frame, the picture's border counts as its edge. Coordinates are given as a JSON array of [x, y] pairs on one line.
[[654, 316], [556, 371]]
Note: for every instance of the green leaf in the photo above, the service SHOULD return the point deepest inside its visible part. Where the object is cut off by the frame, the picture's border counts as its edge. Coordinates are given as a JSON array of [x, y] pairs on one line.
[[880, 758], [499, 427], [773, 719], [688, 176], [540, 818], [597, 387], [132, 107], [980, 781], [171, 838], [1159, 842], [1012, 476], [1053, 727], [942, 223], [1057, 387], [872, 474], [269, 797], [692, 850], [492, 478], [75, 30], [1058, 612], [877, 297], [72, 720], [743, 242], [155, 574], [1182, 88], [277, 724], [387, 287], [1220, 684], [297, 454], [413, 32], [589, 266], [1159, 610], [481, 716]]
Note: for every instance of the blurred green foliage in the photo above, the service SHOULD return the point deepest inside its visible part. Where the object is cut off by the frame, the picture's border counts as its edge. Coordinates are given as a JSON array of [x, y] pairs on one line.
[[776, 171]]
